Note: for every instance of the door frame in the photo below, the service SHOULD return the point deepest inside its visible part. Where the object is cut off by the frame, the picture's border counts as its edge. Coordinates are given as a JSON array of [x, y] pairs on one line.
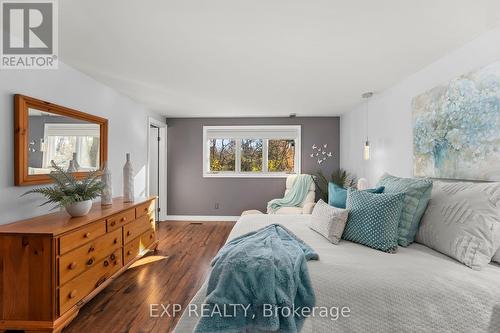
[[162, 165]]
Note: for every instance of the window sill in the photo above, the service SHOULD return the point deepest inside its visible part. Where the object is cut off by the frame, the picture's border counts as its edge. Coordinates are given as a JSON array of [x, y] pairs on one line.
[[247, 175]]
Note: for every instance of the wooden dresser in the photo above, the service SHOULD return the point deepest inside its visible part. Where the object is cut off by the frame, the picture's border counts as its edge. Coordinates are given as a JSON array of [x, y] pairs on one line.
[[52, 265]]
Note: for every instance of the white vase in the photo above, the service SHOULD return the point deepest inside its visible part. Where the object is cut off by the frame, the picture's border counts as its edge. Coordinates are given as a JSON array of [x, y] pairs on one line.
[[79, 208], [107, 191], [128, 181]]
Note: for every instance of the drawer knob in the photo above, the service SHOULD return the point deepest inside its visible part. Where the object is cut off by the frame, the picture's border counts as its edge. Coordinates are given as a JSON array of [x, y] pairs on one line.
[[115, 241], [151, 236], [129, 252], [87, 235], [146, 209], [112, 257], [151, 220], [91, 249], [72, 265], [128, 233], [72, 294], [106, 263], [90, 261], [123, 219], [113, 223]]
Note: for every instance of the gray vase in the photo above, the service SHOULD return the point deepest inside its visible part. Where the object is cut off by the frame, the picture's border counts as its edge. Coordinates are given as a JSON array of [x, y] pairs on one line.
[[128, 181], [75, 161], [72, 167], [107, 191]]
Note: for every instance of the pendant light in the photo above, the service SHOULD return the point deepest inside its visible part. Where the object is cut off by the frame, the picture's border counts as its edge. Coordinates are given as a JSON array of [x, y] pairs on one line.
[[366, 148]]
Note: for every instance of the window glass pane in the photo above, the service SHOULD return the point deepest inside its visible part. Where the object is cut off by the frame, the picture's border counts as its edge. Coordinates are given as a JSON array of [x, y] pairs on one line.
[[281, 156], [61, 149], [222, 155], [251, 155]]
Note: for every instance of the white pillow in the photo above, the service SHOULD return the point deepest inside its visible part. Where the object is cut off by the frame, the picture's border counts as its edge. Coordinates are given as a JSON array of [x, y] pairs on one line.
[[463, 222], [328, 221]]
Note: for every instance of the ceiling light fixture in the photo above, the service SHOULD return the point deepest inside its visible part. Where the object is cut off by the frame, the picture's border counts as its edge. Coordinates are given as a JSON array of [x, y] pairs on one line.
[[366, 149]]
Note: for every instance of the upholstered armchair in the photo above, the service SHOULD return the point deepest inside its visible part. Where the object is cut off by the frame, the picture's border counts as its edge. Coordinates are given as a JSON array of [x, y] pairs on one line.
[[306, 207]]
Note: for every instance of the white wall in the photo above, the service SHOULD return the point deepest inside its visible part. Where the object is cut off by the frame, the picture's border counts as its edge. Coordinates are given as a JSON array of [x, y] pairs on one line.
[[128, 129], [390, 121]]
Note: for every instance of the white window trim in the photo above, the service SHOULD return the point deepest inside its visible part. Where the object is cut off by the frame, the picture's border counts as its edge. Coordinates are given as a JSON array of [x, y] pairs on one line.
[[238, 174]]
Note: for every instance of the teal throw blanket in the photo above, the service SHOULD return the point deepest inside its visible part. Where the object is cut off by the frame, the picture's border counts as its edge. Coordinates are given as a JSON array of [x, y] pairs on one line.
[[255, 275], [295, 196]]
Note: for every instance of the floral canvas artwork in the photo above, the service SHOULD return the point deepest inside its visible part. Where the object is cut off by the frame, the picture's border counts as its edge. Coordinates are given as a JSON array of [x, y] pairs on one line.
[[456, 128]]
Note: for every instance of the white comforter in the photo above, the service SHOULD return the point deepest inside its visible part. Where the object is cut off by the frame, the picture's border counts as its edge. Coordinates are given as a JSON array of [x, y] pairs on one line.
[[414, 290]]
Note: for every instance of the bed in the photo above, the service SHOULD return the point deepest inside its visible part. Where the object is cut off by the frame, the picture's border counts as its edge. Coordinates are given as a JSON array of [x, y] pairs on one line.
[[415, 290]]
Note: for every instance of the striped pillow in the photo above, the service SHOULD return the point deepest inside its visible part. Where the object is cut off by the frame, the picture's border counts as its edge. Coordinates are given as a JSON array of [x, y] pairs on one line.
[[417, 195], [463, 222]]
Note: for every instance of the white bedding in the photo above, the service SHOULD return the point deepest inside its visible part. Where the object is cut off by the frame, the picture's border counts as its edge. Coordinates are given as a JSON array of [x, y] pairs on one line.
[[415, 290]]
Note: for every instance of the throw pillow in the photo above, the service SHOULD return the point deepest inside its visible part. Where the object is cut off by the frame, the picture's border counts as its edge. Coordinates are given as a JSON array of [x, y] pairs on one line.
[[496, 257], [373, 219], [463, 221], [328, 221], [417, 195], [337, 195]]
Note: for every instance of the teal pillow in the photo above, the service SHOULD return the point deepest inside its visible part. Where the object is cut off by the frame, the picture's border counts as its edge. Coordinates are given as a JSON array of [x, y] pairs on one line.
[[373, 219], [418, 194], [337, 195]]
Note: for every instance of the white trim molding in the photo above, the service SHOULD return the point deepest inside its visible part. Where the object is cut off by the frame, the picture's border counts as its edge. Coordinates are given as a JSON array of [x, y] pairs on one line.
[[202, 218], [162, 201], [263, 132]]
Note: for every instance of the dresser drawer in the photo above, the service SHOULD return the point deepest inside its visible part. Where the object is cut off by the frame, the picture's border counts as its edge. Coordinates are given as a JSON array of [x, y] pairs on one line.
[[81, 236], [75, 290], [138, 245], [118, 220], [87, 256], [144, 209], [136, 228]]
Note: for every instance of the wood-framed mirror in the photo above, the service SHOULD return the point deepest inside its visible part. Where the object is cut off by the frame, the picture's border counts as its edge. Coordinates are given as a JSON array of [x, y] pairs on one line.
[[46, 132]]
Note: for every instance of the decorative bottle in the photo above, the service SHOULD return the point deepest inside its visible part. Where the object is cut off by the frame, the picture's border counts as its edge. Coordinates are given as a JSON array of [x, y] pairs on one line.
[[128, 181], [71, 167], [107, 191], [75, 161]]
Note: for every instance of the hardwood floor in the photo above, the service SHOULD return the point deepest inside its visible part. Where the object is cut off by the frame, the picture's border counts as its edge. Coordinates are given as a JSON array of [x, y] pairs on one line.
[[170, 276]]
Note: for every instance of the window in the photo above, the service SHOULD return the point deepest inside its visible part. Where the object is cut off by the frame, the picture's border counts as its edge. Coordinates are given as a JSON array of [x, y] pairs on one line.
[[63, 140], [251, 151]]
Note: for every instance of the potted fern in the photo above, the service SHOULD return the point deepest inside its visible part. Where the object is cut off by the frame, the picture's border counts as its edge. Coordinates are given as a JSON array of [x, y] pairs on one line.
[[74, 195], [340, 177]]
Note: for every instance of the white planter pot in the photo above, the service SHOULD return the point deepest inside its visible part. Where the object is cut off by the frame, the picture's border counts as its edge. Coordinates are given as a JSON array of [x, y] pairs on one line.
[[80, 208]]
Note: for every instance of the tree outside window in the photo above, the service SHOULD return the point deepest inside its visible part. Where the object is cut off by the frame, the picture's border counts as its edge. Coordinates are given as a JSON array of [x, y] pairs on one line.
[[222, 155]]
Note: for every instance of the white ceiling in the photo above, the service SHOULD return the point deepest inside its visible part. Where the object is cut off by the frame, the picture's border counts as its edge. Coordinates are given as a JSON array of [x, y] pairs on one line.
[[262, 57]]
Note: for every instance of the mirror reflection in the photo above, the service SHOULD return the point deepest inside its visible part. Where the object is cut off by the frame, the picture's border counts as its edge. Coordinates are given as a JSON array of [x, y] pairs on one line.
[[70, 143]]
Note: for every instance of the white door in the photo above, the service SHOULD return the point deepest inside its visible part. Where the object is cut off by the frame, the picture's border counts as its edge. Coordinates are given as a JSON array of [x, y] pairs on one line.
[[154, 166]]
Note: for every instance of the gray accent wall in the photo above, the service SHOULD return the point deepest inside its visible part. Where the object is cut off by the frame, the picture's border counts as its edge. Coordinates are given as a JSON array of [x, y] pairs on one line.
[[191, 194]]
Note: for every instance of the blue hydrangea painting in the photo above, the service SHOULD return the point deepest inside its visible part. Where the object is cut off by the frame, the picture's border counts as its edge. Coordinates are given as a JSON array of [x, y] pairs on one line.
[[456, 128]]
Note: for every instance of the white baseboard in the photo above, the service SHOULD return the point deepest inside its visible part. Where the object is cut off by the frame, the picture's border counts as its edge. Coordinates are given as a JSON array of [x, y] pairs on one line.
[[207, 218]]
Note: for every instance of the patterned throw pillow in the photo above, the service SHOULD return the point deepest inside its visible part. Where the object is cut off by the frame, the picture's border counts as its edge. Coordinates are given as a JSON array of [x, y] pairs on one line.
[[328, 221], [463, 222], [417, 195], [373, 219]]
